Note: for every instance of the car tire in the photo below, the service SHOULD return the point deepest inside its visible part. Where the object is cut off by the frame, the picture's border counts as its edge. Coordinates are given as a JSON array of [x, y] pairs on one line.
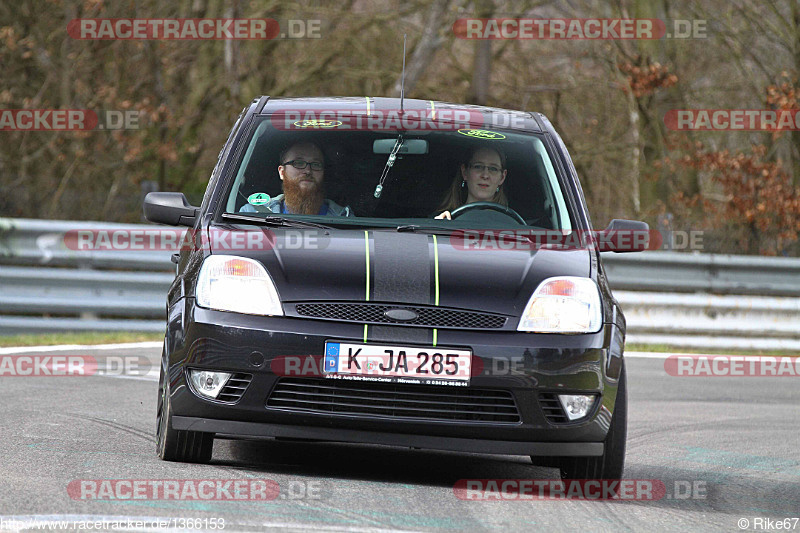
[[611, 464], [178, 445]]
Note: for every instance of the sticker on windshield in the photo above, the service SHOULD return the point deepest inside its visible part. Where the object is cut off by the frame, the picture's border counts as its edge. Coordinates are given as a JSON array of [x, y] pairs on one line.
[[258, 198], [482, 134], [317, 123]]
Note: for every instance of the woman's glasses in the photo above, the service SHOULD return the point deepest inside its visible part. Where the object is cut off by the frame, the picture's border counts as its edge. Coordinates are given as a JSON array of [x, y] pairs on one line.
[[478, 167]]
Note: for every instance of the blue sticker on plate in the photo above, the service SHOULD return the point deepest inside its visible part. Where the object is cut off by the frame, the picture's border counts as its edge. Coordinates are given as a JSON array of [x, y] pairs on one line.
[[332, 357]]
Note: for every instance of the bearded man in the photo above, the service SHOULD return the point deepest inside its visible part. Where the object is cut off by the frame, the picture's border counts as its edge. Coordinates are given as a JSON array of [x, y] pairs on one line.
[[302, 171]]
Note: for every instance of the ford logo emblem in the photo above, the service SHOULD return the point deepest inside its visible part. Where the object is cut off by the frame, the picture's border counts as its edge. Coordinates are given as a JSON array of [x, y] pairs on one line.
[[401, 315]]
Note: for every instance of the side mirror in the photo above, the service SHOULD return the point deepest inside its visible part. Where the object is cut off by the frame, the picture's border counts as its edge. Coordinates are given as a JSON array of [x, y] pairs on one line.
[[170, 208], [624, 236]]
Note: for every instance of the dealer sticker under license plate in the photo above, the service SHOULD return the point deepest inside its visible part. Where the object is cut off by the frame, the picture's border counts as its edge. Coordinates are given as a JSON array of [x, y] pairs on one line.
[[397, 364]]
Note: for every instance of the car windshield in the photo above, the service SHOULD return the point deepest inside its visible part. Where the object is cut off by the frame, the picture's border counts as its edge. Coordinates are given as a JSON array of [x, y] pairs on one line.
[[465, 178]]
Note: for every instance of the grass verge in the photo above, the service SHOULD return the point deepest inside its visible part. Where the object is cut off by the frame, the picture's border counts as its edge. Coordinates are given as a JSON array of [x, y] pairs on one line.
[[84, 337], [665, 348]]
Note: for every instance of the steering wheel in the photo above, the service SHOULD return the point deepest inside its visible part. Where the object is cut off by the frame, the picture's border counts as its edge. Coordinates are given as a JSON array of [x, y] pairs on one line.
[[457, 212]]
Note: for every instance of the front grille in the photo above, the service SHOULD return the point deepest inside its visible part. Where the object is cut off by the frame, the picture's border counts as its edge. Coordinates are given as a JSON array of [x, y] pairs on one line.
[[394, 400], [234, 388], [430, 317], [551, 406]]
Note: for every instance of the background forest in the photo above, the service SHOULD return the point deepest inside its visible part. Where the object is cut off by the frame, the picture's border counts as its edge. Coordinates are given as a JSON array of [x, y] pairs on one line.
[[607, 98]]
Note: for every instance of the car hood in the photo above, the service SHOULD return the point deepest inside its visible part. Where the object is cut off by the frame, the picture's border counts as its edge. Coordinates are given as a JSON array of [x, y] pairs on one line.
[[406, 268]]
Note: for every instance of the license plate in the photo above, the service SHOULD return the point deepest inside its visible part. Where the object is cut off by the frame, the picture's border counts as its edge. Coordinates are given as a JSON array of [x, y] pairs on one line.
[[397, 364]]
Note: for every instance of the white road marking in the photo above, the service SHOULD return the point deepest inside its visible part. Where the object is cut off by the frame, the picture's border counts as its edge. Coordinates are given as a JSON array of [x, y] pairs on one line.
[[153, 375], [647, 355], [82, 347]]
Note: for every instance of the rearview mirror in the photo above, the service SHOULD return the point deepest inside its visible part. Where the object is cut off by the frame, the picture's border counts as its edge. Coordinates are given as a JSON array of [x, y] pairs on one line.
[[410, 146], [624, 236], [170, 208]]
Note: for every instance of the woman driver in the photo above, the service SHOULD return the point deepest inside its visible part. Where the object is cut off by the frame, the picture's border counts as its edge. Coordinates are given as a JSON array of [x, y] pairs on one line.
[[479, 180]]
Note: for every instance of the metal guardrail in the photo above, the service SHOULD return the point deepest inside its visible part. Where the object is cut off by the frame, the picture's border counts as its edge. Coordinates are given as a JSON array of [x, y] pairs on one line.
[[712, 321], [26, 241], [708, 273], [677, 299]]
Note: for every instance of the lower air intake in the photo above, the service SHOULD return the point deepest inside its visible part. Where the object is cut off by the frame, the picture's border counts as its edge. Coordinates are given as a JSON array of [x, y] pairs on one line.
[[394, 400]]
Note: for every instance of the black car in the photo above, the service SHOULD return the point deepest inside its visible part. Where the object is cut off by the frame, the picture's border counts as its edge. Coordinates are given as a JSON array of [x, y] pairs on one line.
[[409, 273]]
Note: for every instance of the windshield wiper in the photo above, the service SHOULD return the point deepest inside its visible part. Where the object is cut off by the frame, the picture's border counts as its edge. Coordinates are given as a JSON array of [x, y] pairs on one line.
[[413, 228], [274, 220], [506, 234]]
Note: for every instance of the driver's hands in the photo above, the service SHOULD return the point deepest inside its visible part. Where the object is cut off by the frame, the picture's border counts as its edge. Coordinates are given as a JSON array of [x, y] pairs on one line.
[[443, 215]]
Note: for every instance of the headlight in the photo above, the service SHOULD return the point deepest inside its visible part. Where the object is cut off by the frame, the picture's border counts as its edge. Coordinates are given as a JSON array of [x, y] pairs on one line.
[[563, 304], [238, 284]]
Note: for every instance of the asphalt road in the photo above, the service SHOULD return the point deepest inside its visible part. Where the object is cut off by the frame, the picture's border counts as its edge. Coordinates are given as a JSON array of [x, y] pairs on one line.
[[735, 438]]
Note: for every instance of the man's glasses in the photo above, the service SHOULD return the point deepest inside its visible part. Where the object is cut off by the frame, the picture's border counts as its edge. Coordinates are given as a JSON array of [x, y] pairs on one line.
[[299, 164], [478, 167]]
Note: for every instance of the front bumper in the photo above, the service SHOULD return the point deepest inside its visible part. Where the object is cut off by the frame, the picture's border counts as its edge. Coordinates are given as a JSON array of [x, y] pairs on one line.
[[526, 365], [238, 429]]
